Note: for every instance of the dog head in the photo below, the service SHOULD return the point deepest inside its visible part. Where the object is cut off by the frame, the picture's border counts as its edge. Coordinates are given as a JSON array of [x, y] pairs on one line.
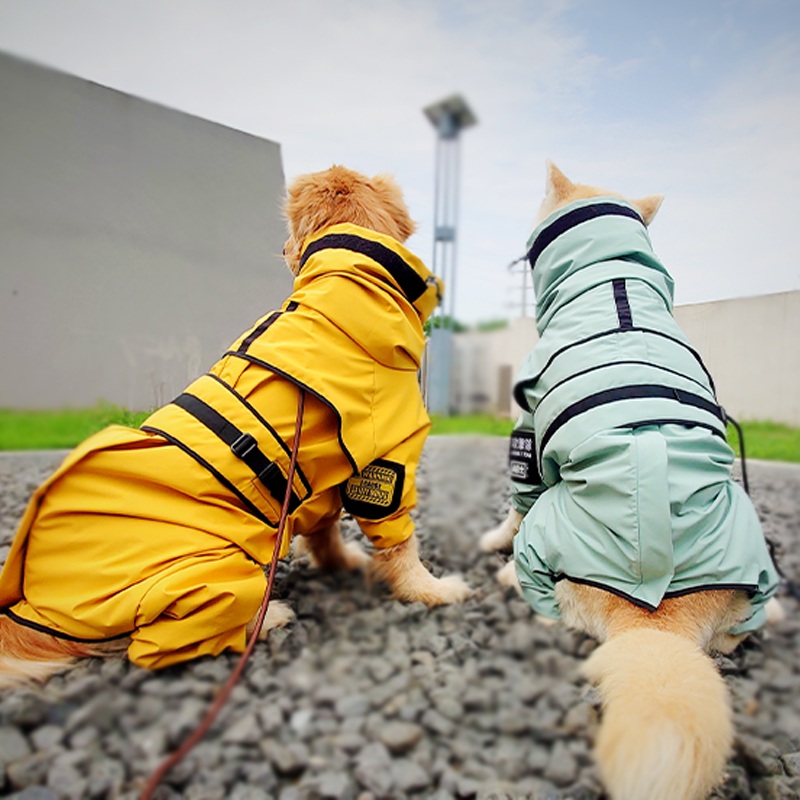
[[337, 195], [560, 191]]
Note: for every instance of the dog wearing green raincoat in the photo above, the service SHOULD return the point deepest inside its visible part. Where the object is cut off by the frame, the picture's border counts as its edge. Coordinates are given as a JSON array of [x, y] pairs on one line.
[[625, 521], [154, 540]]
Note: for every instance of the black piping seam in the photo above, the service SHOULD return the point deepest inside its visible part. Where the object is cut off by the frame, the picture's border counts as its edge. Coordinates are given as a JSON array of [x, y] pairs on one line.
[[573, 218], [561, 576], [286, 449], [745, 587], [408, 281], [633, 392], [623, 306], [648, 606], [619, 364], [58, 634], [519, 395], [254, 510], [259, 329], [313, 392]]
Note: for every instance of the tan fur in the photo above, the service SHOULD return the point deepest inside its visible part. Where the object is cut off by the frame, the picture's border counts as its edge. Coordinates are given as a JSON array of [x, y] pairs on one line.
[[400, 567], [338, 195], [560, 191], [667, 726], [27, 655]]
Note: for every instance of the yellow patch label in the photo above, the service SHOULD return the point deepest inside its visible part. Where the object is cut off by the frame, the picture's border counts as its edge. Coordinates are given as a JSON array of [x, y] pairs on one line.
[[375, 486]]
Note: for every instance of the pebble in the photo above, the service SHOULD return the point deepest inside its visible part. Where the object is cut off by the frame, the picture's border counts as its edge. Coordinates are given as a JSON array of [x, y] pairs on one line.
[[366, 698]]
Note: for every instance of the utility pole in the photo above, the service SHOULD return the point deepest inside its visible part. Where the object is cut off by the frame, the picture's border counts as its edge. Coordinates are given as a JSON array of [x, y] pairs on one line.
[[449, 117]]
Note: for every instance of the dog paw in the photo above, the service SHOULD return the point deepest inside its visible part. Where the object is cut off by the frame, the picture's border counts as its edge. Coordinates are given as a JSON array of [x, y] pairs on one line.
[[502, 537], [354, 557], [775, 611], [278, 615], [447, 590], [507, 576]]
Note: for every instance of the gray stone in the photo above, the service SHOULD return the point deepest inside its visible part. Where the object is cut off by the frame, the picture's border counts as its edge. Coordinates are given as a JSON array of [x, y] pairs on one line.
[[400, 737], [13, 745]]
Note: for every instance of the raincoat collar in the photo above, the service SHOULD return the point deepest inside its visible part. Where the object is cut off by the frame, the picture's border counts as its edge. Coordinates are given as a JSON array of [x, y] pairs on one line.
[[386, 260], [588, 233], [383, 292]]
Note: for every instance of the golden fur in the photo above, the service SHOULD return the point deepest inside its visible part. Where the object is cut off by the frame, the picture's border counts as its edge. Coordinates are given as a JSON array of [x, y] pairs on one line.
[[667, 729], [314, 202]]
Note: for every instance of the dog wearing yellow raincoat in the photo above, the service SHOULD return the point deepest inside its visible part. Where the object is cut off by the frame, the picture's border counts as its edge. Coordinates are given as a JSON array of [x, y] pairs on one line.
[[154, 540]]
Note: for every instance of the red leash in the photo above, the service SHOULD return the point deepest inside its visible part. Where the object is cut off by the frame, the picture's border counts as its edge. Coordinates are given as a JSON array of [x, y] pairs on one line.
[[211, 715]]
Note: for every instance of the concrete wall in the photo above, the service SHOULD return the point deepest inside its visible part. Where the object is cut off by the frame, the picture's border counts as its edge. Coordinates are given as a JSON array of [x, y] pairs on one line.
[[136, 242], [751, 347]]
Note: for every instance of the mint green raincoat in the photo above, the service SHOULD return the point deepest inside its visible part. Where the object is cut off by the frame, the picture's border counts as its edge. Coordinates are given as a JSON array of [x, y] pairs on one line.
[[619, 461]]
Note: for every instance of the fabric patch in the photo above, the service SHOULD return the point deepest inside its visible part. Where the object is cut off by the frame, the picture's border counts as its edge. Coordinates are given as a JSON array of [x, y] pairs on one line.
[[522, 457], [376, 491]]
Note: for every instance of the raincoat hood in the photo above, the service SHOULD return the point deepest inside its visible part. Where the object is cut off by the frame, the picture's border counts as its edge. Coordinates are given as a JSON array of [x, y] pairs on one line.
[[346, 267], [610, 230]]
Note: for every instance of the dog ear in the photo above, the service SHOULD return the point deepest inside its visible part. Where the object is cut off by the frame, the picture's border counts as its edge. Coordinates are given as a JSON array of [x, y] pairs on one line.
[[648, 206], [557, 182], [391, 198]]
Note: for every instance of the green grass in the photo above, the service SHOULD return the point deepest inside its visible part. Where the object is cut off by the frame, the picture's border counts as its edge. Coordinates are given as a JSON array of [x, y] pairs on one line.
[[63, 429], [767, 440], [51, 430]]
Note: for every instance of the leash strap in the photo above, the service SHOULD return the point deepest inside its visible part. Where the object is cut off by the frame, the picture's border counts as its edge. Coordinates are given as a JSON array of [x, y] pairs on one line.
[[222, 697]]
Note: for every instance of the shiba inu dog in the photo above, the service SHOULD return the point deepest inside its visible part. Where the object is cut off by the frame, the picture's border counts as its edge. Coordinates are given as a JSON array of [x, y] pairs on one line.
[[153, 541], [625, 521]]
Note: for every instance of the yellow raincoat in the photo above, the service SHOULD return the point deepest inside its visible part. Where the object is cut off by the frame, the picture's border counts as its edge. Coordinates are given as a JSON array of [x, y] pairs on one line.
[[139, 528]]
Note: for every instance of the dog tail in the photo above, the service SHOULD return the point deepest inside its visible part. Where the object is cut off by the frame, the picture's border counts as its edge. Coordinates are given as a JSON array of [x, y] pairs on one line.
[[667, 731], [28, 655]]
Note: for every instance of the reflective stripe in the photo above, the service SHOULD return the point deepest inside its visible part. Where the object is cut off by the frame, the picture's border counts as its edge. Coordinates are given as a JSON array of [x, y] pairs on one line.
[[573, 218], [634, 392], [243, 445], [406, 278]]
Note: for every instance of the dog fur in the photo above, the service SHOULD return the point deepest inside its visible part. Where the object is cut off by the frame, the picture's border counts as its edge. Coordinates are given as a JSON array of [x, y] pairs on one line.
[[315, 202], [667, 729]]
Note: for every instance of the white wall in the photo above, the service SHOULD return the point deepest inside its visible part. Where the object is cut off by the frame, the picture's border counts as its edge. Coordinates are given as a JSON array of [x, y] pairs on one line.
[[751, 347], [136, 242]]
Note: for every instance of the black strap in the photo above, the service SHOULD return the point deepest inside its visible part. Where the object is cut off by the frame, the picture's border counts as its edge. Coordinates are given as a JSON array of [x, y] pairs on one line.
[[573, 218], [624, 314], [411, 284], [628, 393], [259, 329], [243, 446]]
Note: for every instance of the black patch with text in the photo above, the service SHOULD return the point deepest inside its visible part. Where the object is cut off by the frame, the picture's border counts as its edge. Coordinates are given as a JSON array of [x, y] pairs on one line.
[[522, 458], [376, 491]]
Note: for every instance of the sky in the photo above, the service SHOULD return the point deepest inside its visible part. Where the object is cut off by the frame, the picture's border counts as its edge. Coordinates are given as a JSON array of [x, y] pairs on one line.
[[696, 100]]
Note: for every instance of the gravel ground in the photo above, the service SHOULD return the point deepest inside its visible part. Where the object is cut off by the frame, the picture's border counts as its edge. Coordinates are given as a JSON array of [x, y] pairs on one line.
[[365, 698]]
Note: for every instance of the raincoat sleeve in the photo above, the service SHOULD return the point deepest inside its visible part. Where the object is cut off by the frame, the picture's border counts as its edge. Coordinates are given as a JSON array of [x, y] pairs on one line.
[[526, 483], [382, 496]]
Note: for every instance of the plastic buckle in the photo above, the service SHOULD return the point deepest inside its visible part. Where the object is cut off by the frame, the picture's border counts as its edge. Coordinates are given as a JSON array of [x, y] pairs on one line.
[[244, 445]]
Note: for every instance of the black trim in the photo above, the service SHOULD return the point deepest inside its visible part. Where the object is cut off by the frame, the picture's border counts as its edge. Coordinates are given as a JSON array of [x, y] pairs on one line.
[[623, 363], [561, 576], [58, 634], [243, 445], [686, 423], [573, 218], [259, 329], [411, 284], [519, 389], [745, 587], [632, 392], [623, 306], [253, 360], [251, 507]]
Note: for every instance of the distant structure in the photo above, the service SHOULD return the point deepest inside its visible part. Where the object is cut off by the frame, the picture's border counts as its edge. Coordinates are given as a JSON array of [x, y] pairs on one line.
[[136, 242], [449, 117]]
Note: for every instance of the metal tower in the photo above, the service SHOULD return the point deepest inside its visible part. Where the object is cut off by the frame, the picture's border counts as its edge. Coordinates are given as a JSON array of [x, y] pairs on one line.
[[449, 117]]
